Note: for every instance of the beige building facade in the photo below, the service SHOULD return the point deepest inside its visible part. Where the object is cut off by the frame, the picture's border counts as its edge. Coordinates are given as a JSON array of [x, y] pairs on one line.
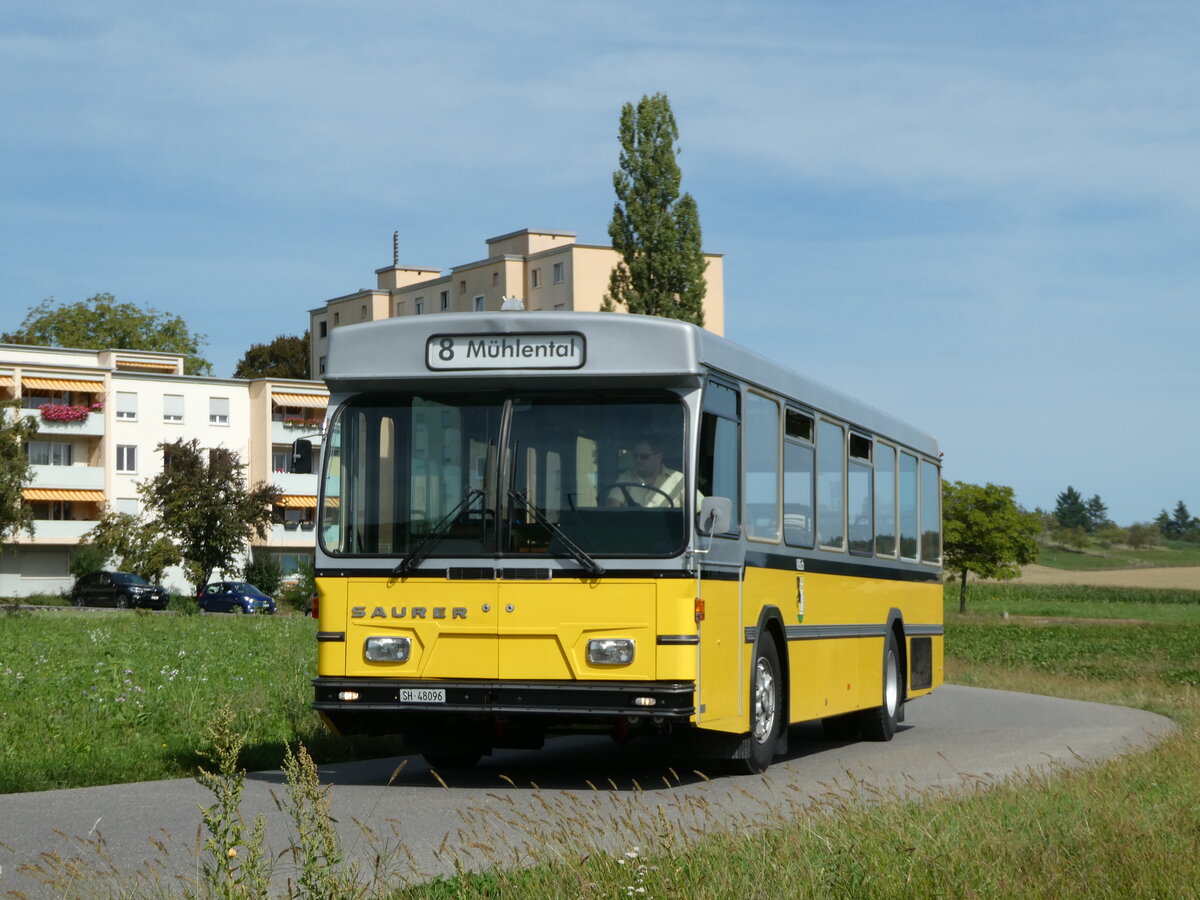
[[547, 270]]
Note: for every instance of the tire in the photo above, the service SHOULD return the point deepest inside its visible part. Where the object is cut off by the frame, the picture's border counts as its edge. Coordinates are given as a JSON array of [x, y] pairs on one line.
[[78, 601], [766, 719], [122, 601], [879, 724]]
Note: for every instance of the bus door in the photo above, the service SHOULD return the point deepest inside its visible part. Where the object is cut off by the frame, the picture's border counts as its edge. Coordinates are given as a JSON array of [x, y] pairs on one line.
[[723, 689]]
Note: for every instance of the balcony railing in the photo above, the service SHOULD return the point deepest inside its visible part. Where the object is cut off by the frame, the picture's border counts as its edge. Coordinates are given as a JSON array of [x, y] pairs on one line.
[[79, 478], [92, 426]]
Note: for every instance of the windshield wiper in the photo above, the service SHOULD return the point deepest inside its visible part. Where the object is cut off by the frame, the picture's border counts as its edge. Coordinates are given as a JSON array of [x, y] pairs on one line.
[[579, 554], [436, 533]]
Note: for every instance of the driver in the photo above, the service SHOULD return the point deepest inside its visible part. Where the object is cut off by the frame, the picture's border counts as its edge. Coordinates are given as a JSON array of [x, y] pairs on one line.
[[651, 484]]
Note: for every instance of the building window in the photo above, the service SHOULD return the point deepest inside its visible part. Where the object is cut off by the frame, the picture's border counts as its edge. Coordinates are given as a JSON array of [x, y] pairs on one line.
[[49, 453], [218, 410], [281, 458], [445, 298], [363, 315], [126, 405], [495, 279], [321, 366], [558, 273], [337, 318], [462, 287], [535, 278], [323, 328], [172, 407], [127, 505], [480, 303], [418, 306], [126, 458], [53, 510]]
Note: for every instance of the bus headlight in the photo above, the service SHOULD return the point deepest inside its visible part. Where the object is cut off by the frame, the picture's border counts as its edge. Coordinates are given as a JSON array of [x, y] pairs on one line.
[[610, 651], [387, 649]]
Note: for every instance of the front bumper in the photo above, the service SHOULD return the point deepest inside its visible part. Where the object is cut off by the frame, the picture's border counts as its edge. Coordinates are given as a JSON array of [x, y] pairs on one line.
[[554, 701]]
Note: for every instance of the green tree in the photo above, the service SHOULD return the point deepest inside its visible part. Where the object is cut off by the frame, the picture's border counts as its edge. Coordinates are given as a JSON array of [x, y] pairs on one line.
[[1070, 510], [285, 357], [136, 545], [986, 532], [15, 471], [1142, 534], [1097, 514], [101, 323], [201, 501], [654, 229]]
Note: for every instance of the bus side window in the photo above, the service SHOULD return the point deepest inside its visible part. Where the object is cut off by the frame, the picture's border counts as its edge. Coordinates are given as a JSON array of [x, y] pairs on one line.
[[718, 467]]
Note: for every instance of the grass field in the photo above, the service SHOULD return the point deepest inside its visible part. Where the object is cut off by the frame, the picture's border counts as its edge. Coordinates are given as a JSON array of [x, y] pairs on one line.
[[1117, 556], [128, 695]]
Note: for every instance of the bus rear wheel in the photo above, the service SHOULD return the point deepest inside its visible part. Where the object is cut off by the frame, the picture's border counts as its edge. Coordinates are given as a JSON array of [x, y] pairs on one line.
[[879, 724]]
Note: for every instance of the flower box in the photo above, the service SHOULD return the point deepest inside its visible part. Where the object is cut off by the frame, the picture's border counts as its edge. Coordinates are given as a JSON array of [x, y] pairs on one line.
[[61, 412]]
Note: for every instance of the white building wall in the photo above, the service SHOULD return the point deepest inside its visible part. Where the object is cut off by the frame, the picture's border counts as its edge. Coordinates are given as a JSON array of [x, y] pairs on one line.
[[39, 563]]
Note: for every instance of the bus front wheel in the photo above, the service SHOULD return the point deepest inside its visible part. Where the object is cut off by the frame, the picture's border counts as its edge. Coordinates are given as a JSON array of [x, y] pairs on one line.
[[879, 724], [758, 747]]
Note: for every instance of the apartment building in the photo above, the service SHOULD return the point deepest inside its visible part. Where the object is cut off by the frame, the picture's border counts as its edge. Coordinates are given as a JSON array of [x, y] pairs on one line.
[[547, 270], [102, 415]]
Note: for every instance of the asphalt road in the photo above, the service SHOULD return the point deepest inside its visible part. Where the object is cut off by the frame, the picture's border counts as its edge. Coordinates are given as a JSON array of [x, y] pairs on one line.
[[575, 793]]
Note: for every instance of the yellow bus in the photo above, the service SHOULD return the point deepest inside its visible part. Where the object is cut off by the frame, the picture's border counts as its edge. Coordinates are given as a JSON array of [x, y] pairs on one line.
[[537, 523]]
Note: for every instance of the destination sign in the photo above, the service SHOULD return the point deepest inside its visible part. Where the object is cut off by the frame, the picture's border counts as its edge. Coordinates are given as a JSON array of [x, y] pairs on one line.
[[505, 351]]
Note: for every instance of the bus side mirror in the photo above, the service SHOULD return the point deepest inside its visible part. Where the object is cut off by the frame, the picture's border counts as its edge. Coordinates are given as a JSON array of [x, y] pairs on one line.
[[302, 451], [714, 516]]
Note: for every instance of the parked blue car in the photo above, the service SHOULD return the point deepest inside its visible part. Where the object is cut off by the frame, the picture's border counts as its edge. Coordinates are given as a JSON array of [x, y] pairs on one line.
[[235, 597]]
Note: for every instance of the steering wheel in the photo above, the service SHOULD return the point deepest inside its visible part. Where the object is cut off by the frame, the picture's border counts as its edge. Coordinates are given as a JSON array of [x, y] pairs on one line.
[[624, 486]]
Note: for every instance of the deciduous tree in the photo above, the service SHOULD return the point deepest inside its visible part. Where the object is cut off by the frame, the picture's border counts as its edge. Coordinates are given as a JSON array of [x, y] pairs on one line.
[[15, 471], [101, 322], [202, 502], [285, 357], [654, 228], [135, 544], [986, 532]]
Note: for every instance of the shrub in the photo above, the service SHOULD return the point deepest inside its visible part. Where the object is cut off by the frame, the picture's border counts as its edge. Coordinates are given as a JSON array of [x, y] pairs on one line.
[[264, 573]]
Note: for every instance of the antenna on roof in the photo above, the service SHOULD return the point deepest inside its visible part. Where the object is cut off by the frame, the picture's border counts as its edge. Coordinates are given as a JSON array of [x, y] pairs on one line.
[[395, 248]]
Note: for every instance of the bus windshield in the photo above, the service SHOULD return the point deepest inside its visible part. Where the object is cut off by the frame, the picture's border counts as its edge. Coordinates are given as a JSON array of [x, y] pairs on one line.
[[487, 475]]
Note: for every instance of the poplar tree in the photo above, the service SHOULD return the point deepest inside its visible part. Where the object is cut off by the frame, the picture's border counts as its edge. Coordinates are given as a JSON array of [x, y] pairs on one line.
[[654, 229]]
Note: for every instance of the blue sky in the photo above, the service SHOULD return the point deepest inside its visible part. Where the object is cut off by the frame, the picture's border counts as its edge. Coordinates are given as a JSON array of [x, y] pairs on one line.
[[981, 217]]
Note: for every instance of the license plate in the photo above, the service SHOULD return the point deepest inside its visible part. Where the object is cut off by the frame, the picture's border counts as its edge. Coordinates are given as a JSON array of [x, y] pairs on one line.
[[423, 695]]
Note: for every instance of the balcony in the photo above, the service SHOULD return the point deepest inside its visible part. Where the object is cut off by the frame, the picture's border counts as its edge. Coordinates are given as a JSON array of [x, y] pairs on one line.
[[71, 478], [291, 483], [286, 432], [294, 534], [92, 426], [53, 531]]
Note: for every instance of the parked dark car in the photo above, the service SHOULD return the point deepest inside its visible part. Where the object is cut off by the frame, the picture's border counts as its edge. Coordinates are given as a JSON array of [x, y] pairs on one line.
[[236, 597], [120, 589]]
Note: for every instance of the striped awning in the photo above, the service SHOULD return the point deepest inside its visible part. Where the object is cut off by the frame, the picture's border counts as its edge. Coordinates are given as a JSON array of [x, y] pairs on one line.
[[298, 501], [79, 496], [63, 384], [147, 364], [6, 381], [314, 401]]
